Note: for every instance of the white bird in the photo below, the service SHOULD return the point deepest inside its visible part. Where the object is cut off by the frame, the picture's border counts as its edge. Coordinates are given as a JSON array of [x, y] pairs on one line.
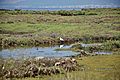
[[3, 67], [61, 39]]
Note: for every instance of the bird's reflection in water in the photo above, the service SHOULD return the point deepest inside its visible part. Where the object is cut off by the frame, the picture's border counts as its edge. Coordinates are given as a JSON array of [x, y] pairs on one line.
[[61, 46]]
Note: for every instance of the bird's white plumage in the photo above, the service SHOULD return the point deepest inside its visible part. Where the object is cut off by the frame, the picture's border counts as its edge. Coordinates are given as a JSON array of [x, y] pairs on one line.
[[61, 39]]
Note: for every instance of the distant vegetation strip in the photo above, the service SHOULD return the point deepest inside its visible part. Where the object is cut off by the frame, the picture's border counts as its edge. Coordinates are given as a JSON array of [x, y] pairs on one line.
[[59, 12]]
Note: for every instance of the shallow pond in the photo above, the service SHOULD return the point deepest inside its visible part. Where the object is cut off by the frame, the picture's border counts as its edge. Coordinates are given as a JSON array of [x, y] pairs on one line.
[[36, 52], [44, 51], [103, 52], [88, 45]]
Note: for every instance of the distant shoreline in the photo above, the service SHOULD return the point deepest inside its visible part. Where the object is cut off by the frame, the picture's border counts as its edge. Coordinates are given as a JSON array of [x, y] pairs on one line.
[[52, 8]]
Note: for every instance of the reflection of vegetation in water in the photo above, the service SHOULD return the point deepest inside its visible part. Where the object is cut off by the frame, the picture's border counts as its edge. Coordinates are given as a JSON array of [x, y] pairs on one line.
[[62, 49]]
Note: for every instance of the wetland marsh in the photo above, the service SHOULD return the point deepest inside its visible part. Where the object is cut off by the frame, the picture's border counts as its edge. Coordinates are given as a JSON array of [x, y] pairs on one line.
[[94, 33]]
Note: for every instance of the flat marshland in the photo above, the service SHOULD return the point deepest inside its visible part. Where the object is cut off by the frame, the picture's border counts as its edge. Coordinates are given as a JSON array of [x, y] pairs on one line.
[[20, 28], [34, 27]]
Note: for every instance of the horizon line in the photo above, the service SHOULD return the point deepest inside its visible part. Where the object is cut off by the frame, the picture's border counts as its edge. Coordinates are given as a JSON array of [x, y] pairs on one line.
[[60, 7]]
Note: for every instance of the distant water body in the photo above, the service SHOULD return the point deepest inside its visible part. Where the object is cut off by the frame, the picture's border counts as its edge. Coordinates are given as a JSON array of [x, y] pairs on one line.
[[76, 7], [71, 8], [51, 9]]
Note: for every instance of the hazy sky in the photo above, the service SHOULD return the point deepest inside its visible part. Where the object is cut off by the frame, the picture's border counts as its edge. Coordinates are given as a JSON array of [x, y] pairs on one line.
[[39, 3]]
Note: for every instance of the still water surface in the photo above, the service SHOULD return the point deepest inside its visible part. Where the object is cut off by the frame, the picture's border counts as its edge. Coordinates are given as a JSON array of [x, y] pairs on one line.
[[44, 51], [37, 52]]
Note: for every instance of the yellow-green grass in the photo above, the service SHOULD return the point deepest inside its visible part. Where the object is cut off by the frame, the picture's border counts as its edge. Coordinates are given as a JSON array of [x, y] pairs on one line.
[[107, 22], [66, 29]]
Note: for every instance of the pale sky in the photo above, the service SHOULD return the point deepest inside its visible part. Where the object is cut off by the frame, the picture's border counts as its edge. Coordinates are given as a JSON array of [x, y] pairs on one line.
[[55, 3]]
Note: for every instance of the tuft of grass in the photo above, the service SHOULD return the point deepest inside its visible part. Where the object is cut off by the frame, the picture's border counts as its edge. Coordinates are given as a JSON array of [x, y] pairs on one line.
[[110, 45]]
